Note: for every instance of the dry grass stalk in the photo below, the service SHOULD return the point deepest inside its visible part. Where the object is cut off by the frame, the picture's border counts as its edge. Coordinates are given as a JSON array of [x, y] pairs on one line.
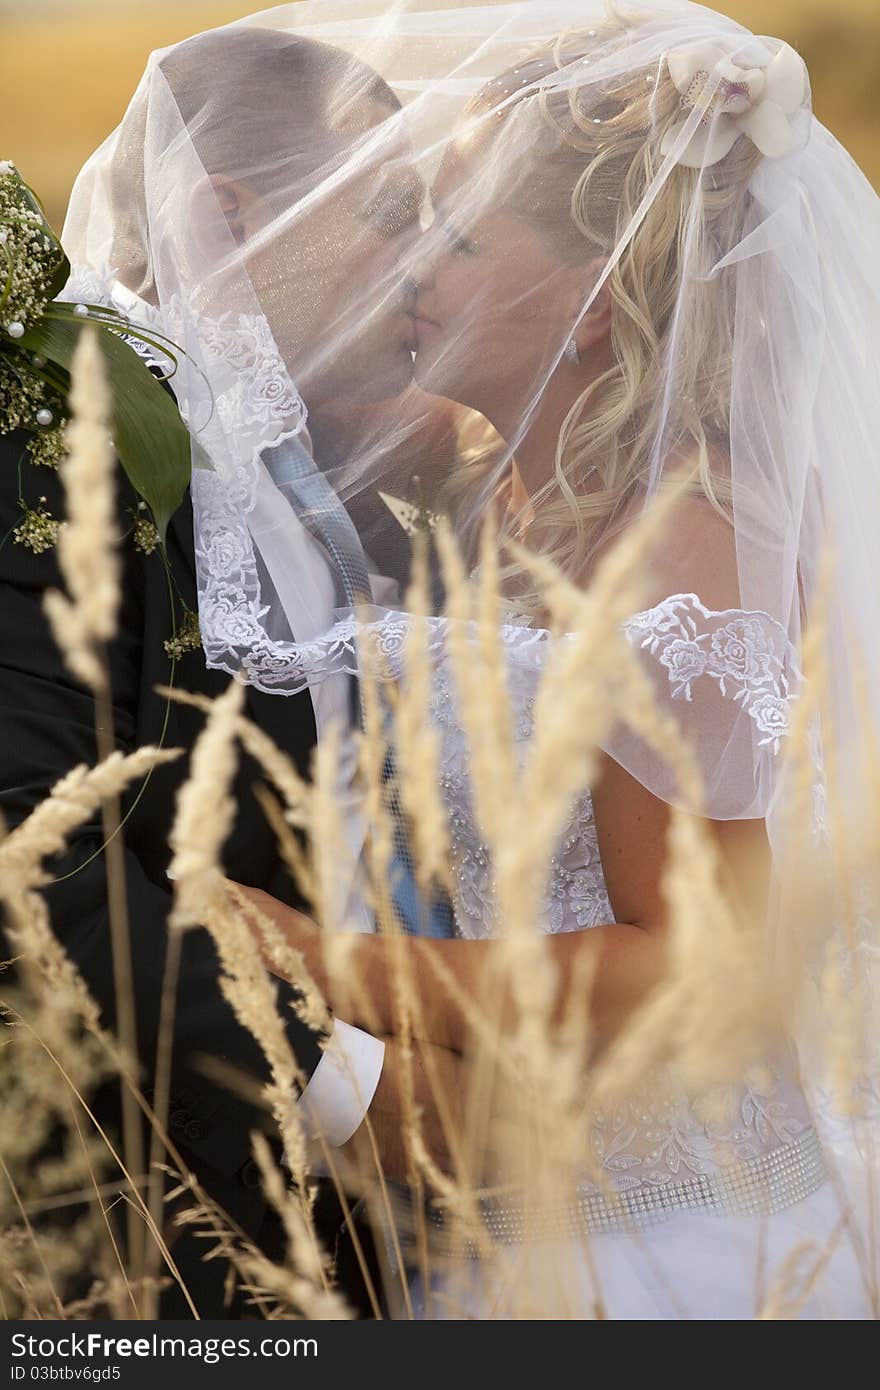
[[68, 1090], [307, 1284], [303, 803], [204, 818], [417, 751], [252, 995], [45, 832], [119, 1282], [82, 624], [526, 957], [205, 813], [560, 762], [292, 851], [191, 1208], [582, 672], [417, 740], [378, 788], [331, 858], [483, 707], [276, 1291], [480, 704], [831, 901], [87, 542], [852, 976], [795, 1283], [285, 961], [478, 667], [803, 908], [40, 1115], [710, 1018], [295, 790], [337, 878], [73, 799], [36, 1104]]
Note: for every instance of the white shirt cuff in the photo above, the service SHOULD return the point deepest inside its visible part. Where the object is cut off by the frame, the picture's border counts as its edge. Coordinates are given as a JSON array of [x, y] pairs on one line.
[[343, 1084]]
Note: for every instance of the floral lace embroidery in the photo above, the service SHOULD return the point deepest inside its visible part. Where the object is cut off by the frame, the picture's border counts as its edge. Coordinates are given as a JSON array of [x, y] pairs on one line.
[[657, 1138], [250, 405], [261, 393], [749, 655]]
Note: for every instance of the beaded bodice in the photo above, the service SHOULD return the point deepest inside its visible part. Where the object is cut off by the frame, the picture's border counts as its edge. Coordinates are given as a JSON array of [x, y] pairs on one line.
[[576, 895]]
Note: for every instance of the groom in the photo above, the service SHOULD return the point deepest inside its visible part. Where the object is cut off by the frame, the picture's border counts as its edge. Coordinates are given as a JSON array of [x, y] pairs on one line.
[[48, 727]]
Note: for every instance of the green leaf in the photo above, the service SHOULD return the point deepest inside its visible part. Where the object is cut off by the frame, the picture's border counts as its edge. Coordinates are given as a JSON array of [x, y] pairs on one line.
[[149, 436], [60, 275]]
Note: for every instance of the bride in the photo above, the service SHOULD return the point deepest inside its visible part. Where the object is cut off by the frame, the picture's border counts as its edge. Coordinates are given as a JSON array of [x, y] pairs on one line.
[[633, 273]]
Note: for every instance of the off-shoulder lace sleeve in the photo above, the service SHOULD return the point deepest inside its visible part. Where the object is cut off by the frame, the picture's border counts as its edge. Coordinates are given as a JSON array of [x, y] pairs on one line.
[[729, 678], [748, 656]]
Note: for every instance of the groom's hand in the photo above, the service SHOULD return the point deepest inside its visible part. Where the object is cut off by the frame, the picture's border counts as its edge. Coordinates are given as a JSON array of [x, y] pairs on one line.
[[364, 981], [425, 1089], [298, 929], [420, 1095], [354, 992]]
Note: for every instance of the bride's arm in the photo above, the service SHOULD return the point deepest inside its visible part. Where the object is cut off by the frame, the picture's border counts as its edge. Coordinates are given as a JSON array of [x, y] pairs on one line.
[[626, 956], [627, 960]]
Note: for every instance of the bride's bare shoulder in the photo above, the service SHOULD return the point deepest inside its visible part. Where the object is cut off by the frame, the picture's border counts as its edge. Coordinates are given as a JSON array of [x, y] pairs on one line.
[[695, 553]]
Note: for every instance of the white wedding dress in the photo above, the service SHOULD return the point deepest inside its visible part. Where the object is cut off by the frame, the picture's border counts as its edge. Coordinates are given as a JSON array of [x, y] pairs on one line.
[[707, 1211]]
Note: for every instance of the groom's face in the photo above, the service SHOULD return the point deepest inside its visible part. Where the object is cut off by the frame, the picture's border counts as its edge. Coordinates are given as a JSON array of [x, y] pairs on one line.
[[332, 272]]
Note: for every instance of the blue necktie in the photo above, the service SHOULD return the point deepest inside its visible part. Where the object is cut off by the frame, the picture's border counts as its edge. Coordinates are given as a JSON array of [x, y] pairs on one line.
[[292, 467]]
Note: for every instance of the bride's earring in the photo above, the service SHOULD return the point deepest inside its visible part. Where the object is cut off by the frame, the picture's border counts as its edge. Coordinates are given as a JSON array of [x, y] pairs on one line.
[[571, 352]]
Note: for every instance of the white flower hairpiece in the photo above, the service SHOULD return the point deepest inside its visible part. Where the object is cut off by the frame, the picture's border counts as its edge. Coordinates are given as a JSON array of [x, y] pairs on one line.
[[756, 101]]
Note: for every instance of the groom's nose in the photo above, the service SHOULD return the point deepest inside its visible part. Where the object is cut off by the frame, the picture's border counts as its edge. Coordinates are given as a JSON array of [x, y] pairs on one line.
[[421, 268]]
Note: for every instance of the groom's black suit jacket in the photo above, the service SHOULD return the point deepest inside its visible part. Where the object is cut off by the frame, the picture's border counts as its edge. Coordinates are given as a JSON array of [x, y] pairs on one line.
[[48, 727]]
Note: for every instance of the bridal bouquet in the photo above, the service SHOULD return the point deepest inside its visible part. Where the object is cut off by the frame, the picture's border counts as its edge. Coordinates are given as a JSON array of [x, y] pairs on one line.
[[38, 336]]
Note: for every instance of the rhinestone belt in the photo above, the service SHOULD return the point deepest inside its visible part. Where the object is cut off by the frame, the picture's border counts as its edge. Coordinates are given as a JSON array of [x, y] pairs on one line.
[[758, 1187]]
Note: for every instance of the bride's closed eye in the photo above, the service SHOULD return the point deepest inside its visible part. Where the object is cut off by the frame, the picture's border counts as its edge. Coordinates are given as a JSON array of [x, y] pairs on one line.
[[441, 225], [462, 244]]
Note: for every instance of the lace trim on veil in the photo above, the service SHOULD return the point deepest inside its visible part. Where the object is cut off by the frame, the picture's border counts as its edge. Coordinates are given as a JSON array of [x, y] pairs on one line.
[[257, 406], [746, 654]]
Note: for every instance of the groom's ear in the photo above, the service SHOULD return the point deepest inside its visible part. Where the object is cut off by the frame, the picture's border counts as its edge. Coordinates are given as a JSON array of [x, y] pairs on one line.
[[223, 213], [594, 324]]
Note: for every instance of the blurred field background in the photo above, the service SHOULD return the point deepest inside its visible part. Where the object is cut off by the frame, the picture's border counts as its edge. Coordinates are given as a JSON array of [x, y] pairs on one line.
[[69, 67]]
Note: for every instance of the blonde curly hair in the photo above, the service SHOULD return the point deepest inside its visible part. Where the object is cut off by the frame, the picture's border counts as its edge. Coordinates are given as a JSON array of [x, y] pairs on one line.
[[583, 191]]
